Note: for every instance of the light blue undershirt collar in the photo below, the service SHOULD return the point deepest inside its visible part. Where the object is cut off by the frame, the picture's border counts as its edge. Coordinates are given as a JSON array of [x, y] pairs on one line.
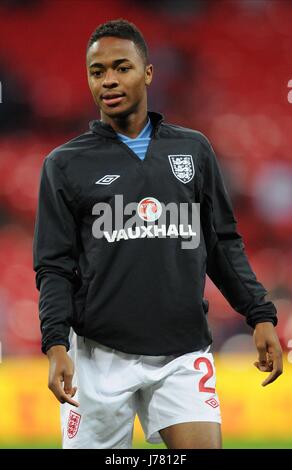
[[140, 143]]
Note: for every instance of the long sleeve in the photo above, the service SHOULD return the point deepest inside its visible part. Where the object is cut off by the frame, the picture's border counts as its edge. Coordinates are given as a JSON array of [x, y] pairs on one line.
[[227, 263], [55, 255]]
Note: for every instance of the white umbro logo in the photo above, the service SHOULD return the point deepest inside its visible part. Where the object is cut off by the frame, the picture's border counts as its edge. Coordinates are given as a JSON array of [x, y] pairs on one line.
[[107, 179]]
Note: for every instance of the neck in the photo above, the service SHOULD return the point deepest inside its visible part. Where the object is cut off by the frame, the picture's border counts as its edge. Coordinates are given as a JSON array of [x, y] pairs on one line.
[[130, 125]]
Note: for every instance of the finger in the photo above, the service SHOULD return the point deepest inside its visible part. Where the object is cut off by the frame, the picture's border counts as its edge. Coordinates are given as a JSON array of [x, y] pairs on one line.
[[272, 377], [67, 399], [61, 395], [68, 393], [268, 367], [68, 383], [262, 352], [276, 372], [74, 390]]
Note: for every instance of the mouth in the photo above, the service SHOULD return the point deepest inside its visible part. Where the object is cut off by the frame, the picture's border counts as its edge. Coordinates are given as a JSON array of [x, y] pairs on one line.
[[111, 99]]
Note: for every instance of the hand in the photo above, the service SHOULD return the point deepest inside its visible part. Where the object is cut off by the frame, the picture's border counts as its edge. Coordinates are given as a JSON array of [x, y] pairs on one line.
[[61, 371], [270, 351]]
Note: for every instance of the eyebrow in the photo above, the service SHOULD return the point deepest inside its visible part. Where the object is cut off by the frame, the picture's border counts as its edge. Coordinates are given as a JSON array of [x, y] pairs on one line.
[[115, 63]]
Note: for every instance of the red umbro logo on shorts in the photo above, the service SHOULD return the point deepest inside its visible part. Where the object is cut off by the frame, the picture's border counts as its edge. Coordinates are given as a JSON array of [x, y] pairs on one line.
[[212, 402], [73, 424]]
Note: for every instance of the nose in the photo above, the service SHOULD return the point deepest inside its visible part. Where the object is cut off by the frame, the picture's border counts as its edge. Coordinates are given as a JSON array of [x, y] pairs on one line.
[[110, 79]]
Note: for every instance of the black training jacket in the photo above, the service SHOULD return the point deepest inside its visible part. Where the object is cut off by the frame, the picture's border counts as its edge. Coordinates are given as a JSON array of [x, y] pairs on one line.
[[140, 294]]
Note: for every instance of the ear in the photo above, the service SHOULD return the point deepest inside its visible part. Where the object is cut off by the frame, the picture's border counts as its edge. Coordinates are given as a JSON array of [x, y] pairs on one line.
[[148, 74]]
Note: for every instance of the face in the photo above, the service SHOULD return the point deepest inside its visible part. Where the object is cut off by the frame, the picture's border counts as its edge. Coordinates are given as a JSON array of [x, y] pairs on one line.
[[117, 76]]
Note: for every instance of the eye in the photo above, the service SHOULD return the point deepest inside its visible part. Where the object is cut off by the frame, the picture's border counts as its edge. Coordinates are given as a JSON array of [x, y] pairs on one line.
[[96, 73], [124, 69]]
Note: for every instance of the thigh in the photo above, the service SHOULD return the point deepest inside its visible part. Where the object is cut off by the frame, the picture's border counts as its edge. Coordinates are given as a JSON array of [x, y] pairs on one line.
[[192, 435], [105, 424], [105, 417], [184, 393]]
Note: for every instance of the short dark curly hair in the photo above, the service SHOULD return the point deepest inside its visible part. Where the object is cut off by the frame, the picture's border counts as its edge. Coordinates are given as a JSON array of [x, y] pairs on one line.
[[123, 29]]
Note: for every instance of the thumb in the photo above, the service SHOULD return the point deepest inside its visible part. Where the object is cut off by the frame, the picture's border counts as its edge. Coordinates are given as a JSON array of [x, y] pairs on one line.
[[68, 384], [74, 390], [262, 364]]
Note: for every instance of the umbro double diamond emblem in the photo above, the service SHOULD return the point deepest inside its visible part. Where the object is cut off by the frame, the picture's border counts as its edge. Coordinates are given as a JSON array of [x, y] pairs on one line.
[[107, 179]]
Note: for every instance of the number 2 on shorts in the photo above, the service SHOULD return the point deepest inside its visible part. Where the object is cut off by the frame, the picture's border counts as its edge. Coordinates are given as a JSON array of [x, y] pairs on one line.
[[207, 376]]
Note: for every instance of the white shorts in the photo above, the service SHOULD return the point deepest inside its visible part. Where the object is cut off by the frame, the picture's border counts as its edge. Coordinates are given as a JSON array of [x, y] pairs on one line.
[[114, 386]]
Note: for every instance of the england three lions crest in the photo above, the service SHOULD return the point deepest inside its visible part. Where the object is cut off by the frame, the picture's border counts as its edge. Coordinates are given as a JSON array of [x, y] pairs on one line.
[[73, 424], [182, 167]]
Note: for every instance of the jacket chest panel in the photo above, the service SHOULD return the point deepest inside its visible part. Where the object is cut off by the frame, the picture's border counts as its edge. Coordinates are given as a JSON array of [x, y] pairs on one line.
[[165, 175]]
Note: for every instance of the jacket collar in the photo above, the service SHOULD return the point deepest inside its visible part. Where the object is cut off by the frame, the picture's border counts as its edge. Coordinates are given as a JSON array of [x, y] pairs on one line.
[[106, 130]]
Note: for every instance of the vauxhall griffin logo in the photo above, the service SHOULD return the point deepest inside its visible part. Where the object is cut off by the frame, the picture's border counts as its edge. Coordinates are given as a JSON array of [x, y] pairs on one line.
[[149, 209], [182, 167]]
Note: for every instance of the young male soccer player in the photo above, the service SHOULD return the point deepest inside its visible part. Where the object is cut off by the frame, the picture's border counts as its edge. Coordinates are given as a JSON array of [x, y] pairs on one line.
[[121, 270]]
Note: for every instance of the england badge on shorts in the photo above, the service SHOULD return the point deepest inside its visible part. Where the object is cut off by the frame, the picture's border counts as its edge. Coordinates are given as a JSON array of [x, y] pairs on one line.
[[182, 167], [73, 424]]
